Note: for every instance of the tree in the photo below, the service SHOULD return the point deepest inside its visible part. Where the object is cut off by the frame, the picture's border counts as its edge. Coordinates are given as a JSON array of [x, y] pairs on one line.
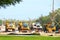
[[57, 12], [44, 20], [47, 19], [0, 22], [4, 3], [56, 15]]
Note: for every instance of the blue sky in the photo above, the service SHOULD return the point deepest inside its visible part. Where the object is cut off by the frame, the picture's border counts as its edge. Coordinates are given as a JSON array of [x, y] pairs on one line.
[[28, 9]]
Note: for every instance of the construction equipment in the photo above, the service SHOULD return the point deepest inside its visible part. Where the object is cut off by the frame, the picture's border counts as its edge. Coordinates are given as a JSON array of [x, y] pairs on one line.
[[23, 27], [50, 28], [37, 27], [10, 26]]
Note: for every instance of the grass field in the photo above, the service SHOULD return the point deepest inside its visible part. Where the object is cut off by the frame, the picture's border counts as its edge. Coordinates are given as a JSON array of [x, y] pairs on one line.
[[28, 38]]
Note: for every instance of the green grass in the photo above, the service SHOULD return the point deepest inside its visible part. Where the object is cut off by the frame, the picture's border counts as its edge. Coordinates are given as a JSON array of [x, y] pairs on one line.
[[28, 38]]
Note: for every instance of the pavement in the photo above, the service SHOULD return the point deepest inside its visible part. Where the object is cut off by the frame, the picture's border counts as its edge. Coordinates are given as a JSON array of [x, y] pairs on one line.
[[29, 33]]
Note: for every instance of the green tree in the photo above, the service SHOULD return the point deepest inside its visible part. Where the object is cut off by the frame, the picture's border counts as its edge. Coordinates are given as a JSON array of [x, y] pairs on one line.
[[47, 19], [4, 3], [44, 19], [56, 15], [0, 22]]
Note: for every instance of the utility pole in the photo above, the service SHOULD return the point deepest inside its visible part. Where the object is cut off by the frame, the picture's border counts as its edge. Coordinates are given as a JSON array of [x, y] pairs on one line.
[[53, 18], [53, 6]]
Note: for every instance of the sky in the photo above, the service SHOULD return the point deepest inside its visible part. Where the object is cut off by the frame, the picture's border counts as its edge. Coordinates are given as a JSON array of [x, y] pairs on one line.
[[32, 9]]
